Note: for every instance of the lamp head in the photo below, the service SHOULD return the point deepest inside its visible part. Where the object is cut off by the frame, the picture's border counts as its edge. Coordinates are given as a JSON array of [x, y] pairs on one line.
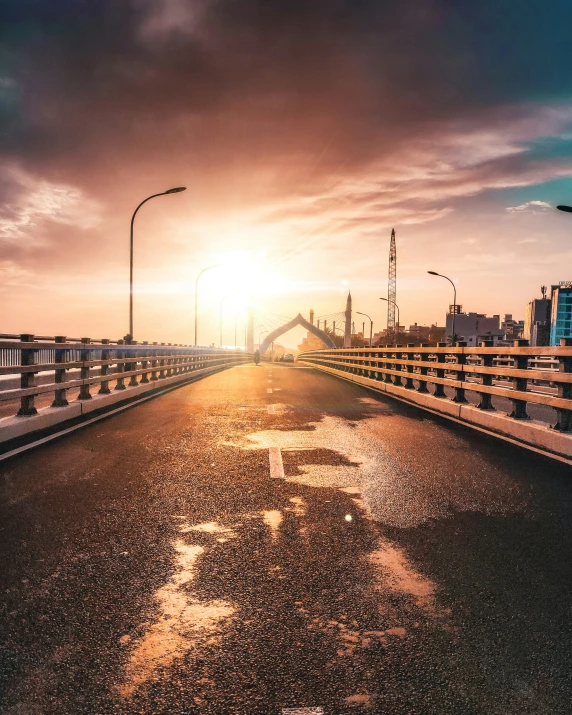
[[568, 209], [385, 299], [433, 273], [176, 190]]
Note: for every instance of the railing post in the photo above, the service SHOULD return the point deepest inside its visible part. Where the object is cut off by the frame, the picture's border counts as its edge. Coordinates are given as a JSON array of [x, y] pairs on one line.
[[120, 367], [27, 379], [409, 380], [487, 358], [132, 354], [378, 365], [423, 371], [162, 373], [387, 377], [461, 360], [144, 362], [397, 378], [520, 383], [105, 353], [60, 399], [84, 393], [564, 417], [154, 363], [439, 388]]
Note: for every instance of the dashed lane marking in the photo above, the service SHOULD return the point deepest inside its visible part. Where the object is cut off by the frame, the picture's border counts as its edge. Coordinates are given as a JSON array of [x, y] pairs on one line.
[[269, 390], [276, 466], [271, 409], [302, 711]]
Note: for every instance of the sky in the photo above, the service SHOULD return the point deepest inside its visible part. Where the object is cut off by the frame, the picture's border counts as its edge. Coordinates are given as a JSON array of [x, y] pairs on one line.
[[304, 132]]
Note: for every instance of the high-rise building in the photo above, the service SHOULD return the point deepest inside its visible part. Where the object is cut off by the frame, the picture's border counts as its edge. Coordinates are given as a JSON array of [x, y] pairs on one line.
[[537, 320], [561, 312]]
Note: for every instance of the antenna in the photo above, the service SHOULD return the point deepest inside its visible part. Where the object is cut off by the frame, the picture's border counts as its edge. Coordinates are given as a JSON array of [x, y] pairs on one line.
[[392, 284]]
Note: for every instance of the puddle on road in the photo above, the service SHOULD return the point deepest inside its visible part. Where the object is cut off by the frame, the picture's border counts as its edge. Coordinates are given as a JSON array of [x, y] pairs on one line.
[[183, 621], [392, 491]]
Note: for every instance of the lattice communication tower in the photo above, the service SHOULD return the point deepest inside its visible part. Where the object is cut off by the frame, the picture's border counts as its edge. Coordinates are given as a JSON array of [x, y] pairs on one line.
[[392, 284]]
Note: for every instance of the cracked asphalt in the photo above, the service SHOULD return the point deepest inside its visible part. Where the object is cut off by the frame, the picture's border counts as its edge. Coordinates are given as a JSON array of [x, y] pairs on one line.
[[391, 563]]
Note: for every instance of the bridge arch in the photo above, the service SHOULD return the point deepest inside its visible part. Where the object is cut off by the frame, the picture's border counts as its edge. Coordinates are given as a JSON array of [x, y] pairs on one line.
[[298, 320]]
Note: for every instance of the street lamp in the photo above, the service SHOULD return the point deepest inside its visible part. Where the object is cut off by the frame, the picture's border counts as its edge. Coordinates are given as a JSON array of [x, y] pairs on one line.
[[370, 325], [568, 209], [434, 273], [260, 334], [388, 300], [176, 190], [208, 268]]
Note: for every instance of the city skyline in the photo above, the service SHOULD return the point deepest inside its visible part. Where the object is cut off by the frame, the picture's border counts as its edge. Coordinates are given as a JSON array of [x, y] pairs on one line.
[[304, 133]]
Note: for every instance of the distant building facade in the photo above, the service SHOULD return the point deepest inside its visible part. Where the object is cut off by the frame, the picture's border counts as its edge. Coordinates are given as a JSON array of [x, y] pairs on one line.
[[473, 328], [561, 312], [537, 320]]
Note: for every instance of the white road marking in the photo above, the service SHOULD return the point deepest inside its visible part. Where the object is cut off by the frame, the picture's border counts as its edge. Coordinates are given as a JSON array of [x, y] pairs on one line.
[[269, 381], [302, 711], [271, 409], [269, 390], [276, 466]]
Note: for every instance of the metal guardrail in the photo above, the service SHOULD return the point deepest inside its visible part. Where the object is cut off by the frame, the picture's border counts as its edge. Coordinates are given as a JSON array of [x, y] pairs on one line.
[[102, 363], [466, 369]]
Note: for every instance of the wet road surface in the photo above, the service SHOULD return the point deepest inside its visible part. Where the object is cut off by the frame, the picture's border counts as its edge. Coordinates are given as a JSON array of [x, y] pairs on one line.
[[272, 538]]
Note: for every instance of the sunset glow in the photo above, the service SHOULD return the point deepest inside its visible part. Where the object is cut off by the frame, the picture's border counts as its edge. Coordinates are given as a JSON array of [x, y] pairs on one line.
[[304, 133]]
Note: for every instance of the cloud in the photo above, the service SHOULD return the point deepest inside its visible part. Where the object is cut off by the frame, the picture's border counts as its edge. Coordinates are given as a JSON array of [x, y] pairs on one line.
[[30, 201], [531, 207], [310, 124]]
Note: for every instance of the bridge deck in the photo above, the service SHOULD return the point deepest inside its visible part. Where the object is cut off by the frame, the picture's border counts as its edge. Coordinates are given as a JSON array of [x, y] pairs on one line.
[[273, 537]]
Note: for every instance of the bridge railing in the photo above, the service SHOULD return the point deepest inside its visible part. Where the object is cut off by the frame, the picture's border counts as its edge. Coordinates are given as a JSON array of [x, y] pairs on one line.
[[91, 368], [428, 376]]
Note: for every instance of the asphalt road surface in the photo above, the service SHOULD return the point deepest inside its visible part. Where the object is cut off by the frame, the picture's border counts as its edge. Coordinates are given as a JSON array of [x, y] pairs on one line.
[[271, 537]]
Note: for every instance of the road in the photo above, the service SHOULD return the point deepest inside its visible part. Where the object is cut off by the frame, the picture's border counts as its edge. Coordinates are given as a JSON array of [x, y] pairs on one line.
[[271, 537]]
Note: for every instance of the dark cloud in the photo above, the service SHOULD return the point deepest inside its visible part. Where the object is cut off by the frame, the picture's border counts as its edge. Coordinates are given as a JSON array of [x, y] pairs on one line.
[[327, 82], [257, 103]]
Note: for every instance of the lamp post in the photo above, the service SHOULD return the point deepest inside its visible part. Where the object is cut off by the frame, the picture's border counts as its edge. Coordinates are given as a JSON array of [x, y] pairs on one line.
[[208, 268], [370, 325], [260, 334], [388, 300], [434, 273], [176, 190]]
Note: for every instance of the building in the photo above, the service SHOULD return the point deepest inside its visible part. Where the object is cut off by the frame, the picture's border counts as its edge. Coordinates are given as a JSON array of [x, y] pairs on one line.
[[512, 329], [537, 320], [473, 328], [419, 332], [437, 334], [561, 312], [311, 342]]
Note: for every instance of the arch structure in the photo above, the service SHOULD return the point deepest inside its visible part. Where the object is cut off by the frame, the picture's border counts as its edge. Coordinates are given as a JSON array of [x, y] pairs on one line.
[[298, 320]]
